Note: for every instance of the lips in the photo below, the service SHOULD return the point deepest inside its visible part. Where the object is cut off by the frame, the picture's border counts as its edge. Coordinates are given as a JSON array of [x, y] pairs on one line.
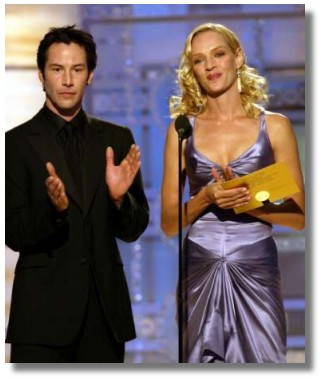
[[214, 76], [66, 93]]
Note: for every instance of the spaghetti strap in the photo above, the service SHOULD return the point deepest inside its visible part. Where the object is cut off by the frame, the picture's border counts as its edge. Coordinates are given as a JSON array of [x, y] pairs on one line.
[[192, 121]]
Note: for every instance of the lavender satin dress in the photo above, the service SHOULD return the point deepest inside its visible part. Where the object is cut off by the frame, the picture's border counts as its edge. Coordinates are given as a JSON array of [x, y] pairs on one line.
[[234, 309]]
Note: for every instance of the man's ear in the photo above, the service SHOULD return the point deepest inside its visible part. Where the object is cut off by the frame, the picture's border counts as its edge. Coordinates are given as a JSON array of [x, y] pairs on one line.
[[90, 77], [41, 78]]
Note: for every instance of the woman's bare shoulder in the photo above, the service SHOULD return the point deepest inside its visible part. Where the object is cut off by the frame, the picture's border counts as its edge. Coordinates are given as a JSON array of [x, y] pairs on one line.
[[279, 128], [277, 119]]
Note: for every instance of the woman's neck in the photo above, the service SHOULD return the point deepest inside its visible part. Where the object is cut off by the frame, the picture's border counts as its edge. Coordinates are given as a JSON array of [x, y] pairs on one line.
[[223, 108]]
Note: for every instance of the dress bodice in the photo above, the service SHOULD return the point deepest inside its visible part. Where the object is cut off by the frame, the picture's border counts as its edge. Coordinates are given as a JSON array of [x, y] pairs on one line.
[[198, 166]]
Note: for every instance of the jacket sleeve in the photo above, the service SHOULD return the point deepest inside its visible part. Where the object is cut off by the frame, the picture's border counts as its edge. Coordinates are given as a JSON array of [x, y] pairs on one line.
[[31, 222], [132, 218]]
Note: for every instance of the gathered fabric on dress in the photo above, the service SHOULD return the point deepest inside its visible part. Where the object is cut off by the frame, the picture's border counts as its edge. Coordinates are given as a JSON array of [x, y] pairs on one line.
[[234, 308]]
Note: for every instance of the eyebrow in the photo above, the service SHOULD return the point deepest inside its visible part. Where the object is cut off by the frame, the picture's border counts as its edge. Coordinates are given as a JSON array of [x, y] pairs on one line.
[[61, 65], [213, 49]]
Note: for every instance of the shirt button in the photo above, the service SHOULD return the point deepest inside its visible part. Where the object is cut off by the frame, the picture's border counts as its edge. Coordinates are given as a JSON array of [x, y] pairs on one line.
[[83, 260]]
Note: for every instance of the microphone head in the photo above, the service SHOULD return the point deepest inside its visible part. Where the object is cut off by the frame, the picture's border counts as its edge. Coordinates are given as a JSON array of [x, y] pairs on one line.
[[183, 126]]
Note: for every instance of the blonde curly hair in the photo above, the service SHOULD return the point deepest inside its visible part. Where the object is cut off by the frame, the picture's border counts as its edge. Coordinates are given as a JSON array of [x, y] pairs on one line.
[[192, 100]]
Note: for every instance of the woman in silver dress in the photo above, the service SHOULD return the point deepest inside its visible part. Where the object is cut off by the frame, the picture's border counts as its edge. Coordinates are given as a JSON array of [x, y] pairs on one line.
[[234, 308]]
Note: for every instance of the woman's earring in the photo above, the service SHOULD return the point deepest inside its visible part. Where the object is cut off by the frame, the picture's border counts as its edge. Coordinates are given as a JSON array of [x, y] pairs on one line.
[[239, 80]]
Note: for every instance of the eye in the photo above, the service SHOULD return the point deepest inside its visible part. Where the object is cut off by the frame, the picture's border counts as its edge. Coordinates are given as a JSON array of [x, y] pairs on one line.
[[219, 54], [198, 60]]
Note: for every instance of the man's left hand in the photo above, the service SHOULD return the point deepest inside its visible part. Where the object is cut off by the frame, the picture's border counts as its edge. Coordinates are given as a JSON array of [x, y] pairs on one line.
[[119, 178]]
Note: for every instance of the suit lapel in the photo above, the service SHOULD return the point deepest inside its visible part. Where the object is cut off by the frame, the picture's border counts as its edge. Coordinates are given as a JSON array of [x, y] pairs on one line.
[[44, 142], [94, 161]]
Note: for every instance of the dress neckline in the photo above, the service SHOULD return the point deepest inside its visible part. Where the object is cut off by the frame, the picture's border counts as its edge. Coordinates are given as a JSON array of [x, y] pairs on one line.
[[233, 161]]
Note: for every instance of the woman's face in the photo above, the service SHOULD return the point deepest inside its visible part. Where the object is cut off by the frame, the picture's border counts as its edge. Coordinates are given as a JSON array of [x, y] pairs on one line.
[[214, 64]]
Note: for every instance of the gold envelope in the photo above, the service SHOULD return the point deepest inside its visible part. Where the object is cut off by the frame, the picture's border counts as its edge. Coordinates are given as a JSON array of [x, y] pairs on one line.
[[271, 183]]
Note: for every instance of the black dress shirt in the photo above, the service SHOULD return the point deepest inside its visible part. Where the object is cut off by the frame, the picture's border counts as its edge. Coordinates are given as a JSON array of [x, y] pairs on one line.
[[70, 137]]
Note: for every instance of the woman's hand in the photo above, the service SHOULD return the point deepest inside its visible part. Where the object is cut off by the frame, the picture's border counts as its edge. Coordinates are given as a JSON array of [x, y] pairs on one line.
[[229, 198]]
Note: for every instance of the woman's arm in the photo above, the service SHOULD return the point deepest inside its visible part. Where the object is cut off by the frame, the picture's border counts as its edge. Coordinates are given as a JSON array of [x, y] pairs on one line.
[[291, 213]]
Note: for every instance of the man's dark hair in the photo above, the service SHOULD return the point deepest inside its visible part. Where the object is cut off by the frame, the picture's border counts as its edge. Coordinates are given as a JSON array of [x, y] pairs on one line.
[[67, 35]]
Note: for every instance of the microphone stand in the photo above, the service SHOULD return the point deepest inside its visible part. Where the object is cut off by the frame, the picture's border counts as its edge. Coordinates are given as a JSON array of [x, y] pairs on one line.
[[181, 257], [184, 130]]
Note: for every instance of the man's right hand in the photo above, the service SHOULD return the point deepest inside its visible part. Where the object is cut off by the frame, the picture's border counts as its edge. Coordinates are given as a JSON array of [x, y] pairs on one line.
[[55, 189]]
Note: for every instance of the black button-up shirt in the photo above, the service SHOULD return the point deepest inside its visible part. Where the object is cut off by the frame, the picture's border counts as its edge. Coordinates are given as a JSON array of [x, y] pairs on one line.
[[70, 136]]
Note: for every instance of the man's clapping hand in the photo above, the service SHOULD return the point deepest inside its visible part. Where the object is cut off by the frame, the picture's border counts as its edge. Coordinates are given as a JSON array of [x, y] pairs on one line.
[[55, 189]]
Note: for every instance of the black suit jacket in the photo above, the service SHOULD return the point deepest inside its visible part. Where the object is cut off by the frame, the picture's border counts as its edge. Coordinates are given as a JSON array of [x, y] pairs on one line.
[[52, 274]]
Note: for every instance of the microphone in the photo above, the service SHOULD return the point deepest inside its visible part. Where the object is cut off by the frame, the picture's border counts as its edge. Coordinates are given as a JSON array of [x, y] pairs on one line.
[[183, 127]]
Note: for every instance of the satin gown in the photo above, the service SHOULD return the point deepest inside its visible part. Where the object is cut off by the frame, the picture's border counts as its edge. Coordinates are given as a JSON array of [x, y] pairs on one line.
[[233, 304]]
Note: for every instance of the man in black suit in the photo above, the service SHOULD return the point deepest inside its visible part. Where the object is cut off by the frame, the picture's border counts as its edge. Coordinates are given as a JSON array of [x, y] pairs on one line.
[[73, 186]]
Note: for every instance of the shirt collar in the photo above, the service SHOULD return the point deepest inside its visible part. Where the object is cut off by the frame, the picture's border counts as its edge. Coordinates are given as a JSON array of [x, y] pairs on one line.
[[58, 122]]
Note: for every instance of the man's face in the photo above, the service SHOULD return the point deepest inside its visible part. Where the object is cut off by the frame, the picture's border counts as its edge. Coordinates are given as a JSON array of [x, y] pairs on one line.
[[65, 78]]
